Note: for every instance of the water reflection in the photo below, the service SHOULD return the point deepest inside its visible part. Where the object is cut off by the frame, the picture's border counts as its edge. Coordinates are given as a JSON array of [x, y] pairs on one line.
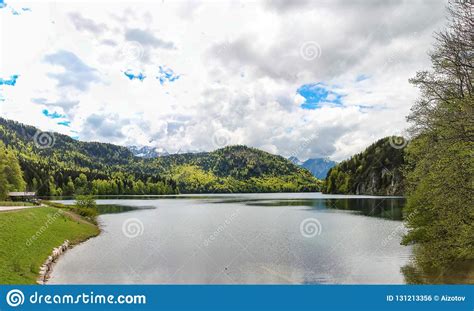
[[423, 270], [388, 208], [242, 239]]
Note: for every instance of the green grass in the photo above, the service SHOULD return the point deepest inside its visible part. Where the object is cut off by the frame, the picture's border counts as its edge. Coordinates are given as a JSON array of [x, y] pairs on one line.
[[21, 255], [10, 203]]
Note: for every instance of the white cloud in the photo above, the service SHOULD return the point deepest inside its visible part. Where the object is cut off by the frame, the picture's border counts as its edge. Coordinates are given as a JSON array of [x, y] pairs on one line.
[[239, 63]]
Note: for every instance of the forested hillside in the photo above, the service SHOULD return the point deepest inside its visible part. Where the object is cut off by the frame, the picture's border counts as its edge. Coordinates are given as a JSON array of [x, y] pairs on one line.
[[376, 171], [237, 169], [55, 164]]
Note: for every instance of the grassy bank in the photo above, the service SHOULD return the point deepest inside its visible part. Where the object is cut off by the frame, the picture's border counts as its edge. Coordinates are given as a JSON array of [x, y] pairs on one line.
[[27, 238]]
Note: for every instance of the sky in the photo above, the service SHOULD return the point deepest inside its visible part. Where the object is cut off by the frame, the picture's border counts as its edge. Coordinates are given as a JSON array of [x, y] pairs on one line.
[[297, 78]]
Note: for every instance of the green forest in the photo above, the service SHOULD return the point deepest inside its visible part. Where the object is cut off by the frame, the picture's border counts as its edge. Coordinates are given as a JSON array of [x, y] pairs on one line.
[[375, 171], [71, 167], [439, 158]]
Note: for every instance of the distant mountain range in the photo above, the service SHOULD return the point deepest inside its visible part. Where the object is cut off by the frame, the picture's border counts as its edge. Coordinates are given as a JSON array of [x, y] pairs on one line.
[[147, 152], [319, 167]]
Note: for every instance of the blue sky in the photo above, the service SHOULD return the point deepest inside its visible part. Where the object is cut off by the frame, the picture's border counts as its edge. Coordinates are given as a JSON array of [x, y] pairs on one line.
[[9, 81], [14, 10], [52, 115], [134, 76], [317, 95], [166, 75]]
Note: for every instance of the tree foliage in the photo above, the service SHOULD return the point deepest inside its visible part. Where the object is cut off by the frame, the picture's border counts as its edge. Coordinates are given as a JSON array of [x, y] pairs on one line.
[[85, 201], [440, 163], [11, 176], [238, 169]]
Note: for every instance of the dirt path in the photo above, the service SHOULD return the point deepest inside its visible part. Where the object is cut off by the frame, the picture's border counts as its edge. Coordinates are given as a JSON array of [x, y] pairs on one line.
[[14, 208], [76, 217]]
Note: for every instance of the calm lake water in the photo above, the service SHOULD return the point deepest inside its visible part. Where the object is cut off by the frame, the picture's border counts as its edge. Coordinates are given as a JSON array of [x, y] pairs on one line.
[[305, 238]]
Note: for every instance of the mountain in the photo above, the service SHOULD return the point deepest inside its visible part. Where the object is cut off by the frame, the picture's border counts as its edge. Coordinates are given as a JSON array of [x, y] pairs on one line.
[[237, 169], [376, 171], [319, 167], [55, 164], [295, 160], [147, 152]]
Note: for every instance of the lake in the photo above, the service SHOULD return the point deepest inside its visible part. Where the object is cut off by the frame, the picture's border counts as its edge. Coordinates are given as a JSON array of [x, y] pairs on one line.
[[303, 238]]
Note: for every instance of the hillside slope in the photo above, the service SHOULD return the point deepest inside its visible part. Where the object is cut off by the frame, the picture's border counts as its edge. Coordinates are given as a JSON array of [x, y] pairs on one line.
[[376, 171], [237, 169], [55, 164]]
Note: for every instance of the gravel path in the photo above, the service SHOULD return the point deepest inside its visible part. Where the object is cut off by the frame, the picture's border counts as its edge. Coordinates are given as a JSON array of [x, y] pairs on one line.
[[14, 208]]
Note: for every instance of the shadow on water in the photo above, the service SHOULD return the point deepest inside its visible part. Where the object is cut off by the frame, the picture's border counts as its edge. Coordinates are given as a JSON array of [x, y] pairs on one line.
[[388, 208], [130, 197], [116, 209]]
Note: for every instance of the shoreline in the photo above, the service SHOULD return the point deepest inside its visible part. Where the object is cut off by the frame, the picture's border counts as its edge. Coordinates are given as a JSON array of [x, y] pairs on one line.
[[47, 267], [233, 194]]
